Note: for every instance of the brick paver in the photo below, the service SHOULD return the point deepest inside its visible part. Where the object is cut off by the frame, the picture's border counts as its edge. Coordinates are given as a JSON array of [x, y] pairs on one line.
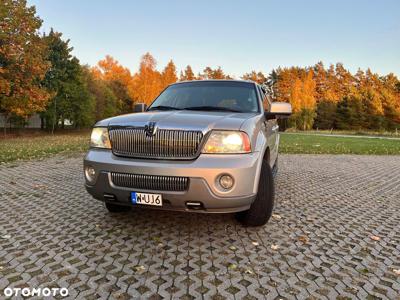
[[335, 234]]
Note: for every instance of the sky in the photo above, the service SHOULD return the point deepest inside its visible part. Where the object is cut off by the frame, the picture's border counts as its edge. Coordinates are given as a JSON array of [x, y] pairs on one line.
[[239, 36]]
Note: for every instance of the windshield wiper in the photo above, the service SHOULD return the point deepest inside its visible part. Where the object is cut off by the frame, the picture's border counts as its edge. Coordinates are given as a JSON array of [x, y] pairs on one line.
[[211, 108], [164, 107]]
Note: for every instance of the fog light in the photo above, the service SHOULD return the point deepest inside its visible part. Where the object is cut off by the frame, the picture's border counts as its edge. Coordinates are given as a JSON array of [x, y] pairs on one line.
[[226, 181], [90, 174]]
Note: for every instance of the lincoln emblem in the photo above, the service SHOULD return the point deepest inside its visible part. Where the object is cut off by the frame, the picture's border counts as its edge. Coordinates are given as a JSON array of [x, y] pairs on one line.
[[150, 129]]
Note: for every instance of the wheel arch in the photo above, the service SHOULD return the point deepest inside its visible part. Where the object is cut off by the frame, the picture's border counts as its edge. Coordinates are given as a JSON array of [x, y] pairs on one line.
[[265, 155]]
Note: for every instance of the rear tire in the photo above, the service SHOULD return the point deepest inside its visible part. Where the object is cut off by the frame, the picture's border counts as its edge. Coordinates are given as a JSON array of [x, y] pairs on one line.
[[261, 209], [114, 208]]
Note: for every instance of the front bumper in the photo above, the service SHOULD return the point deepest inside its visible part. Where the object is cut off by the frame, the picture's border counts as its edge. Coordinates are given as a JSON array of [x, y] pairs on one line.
[[203, 176]]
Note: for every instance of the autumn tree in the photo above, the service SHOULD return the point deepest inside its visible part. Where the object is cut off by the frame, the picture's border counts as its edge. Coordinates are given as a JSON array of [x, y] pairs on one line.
[[168, 75], [146, 84], [323, 90], [303, 101], [390, 97], [118, 78], [258, 77], [344, 81], [22, 60], [187, 74], [110, 69], [209, 73], [283, 80], [332, 86]]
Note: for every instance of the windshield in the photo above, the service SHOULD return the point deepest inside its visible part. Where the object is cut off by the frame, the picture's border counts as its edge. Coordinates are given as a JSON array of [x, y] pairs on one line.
[[208, 96]]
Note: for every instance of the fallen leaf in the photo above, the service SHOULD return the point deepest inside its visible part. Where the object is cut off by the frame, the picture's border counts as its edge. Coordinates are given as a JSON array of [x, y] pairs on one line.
[[375, 238], [39, 187], [276, 216], [248, 271], [117, 295], [233, 248], [139, 269], [274, 247], [232, 266], [255, 243], [156, 238], [304, 239], [396, 271]]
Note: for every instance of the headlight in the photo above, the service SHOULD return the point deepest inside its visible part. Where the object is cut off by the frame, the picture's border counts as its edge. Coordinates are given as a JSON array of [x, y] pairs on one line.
[[99, 138], [227, 142]]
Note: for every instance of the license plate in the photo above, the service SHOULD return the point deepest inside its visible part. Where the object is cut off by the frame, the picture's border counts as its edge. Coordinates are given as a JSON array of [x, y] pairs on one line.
[[146, 199]]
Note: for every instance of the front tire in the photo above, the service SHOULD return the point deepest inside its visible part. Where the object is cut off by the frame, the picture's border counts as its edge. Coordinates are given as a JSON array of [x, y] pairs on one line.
[[261, 209], [275, 168], [115, 208]]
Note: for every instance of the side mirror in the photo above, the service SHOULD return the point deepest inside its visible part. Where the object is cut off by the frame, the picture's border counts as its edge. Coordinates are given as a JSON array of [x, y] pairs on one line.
[[279, 110], [140, 107]]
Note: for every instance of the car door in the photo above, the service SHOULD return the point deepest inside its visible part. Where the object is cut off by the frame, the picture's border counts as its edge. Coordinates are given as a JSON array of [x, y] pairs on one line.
[[271, 127]]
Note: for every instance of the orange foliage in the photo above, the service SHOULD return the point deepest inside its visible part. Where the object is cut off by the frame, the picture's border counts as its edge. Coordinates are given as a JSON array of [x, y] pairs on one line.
[[22, 51], [254, 76], [146, 84], [168, 76], [109, 69], [187, 74]]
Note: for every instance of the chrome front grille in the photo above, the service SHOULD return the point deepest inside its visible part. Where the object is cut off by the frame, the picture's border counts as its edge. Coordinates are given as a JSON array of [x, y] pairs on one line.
[[150, 182], [168, 144]]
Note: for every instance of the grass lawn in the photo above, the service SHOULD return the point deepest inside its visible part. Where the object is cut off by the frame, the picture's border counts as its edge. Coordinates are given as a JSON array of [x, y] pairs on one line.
[[309, 144], [34, 147], [395, 134]]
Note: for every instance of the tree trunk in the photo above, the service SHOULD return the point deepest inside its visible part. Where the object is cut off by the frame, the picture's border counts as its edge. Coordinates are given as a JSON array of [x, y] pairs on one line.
[[6, 117], [55, 119]]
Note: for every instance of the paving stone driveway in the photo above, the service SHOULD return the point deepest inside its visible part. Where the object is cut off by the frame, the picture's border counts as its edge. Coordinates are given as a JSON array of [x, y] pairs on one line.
[[336, 235]]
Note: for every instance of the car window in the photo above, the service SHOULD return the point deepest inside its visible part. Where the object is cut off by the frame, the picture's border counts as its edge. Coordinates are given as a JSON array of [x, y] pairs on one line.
[[236, 96]]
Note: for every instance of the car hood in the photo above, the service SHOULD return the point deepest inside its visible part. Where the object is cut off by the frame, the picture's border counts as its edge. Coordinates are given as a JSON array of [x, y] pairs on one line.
[[187, 120]]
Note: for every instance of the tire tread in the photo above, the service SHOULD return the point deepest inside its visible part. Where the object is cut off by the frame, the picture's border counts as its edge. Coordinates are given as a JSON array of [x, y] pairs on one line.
[[261, 209]]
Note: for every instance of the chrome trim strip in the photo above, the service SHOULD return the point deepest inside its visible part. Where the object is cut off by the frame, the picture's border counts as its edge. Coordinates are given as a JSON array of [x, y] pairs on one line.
[[150, 182]]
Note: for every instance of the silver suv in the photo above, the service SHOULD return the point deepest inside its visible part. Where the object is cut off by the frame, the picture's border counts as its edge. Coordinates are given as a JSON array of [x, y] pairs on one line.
[[204, 146]]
